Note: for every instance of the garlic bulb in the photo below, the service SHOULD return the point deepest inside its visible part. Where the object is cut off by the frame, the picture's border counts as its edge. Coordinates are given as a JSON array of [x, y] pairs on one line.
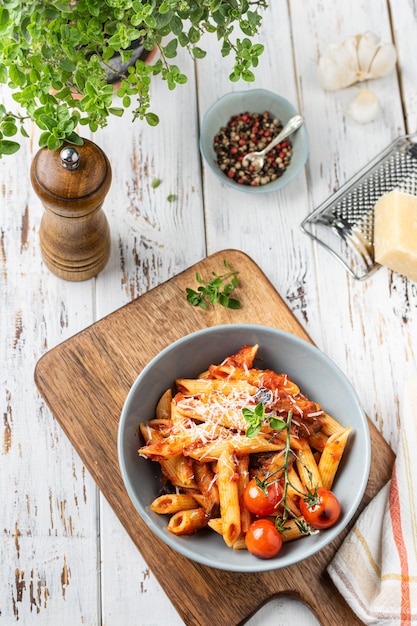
[[338, 67], [361, 57], [364, 107]]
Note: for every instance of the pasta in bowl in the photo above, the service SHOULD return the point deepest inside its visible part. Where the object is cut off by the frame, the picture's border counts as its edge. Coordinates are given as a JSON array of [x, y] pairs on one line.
[[236, 417]]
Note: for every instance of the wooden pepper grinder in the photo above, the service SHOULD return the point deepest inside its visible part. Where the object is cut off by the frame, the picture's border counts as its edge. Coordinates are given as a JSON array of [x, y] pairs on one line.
[[74, 233]]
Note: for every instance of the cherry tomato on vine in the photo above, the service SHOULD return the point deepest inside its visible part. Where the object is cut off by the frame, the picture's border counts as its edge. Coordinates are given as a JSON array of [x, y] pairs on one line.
[[321, 510], [263, 540], [257, 501]]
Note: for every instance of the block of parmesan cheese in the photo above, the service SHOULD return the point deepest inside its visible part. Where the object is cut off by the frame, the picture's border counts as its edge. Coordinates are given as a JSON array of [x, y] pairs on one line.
[[395, 232]]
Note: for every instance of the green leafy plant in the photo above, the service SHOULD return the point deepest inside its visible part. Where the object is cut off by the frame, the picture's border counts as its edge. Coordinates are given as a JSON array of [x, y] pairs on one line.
[[55, 57], [215, 290]]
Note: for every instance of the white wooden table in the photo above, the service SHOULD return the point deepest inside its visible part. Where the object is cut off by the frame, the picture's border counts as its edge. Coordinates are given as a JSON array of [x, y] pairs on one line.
[[64, 557]]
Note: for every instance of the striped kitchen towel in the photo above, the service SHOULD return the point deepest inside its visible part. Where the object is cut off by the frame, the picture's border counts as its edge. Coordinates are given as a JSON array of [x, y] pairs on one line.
[[375, 568]]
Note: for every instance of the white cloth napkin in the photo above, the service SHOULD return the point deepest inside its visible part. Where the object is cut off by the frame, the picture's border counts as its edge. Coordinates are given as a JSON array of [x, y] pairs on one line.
[[375, 568]]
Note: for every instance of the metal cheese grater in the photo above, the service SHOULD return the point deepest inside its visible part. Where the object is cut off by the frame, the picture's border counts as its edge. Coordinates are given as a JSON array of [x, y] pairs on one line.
[[344, 223]]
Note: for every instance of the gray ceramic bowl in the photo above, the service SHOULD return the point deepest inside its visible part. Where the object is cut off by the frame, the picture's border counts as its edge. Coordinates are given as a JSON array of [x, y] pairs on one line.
[[317, 376], [254, 101]]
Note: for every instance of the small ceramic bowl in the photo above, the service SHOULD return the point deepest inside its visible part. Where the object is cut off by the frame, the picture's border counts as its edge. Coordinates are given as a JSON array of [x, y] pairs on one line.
[[318, 378], [253, 101]]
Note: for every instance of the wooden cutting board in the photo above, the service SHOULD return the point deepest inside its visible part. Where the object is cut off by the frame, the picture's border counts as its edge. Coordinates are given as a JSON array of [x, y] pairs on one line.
[[103, 361]]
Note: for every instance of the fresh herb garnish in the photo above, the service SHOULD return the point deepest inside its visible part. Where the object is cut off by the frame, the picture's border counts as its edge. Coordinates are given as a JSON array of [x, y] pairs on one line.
[[312, 497], [256, 417], [216, 290]]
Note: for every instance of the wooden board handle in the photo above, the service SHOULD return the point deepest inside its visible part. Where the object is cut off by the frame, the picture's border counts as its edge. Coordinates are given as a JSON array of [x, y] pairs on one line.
[[328, 605]]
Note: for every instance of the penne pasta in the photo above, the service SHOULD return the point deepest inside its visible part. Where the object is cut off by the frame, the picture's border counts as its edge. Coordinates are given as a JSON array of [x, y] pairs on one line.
[[187, 522], [179, 471], [214, 410], [216, 524], [240, 543], [163, 408], [307, 467], [205, 386], [235, 424], [206, 481], [183, 439], [330, 426], [229, 496], [172, 503], [291, 531], [294, 490], [318, 440], [154, 430], [243, 481], [207, 504], [240, 443], [331, 456]]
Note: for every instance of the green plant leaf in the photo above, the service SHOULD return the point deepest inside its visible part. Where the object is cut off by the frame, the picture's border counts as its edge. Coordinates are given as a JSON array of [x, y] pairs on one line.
[[3, 73], [198, 53], [48, 121], [8, 147], [183, 39], [255, 418], [54, 143], [4, 16], [170, 49], [68, 65], [193, 35], [248, 76], [152, 119], [257, 49], [75, 139], [17, 76], [43, 139], [9, 128], [277, 424], [176, 25], [213, 292]]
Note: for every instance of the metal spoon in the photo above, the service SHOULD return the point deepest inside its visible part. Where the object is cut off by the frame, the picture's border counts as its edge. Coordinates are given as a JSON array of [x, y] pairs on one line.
[[257, 158]]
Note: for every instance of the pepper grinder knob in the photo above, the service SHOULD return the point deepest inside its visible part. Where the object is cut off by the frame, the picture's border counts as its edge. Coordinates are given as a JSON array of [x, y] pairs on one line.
[[74, 233], [70, 158]]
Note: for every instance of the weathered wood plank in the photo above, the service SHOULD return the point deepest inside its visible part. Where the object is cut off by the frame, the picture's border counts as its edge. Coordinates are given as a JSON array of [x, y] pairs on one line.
[[48, 544], [153, 239]]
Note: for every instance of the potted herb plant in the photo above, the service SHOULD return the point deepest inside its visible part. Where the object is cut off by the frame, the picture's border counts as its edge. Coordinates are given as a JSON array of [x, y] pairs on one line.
[[55, 57]]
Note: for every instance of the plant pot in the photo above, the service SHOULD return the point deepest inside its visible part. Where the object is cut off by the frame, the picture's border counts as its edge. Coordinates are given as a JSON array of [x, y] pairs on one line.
[[139, 52], [113, 78]]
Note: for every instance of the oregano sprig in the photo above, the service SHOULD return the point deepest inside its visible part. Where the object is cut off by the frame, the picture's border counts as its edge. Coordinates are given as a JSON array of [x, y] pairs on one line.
[[256, 417], [216, 290]]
